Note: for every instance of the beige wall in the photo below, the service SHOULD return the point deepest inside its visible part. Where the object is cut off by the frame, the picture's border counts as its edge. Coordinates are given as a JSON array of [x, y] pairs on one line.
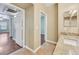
[[29, 26], [51, 23], [37, 9], [32, 24]]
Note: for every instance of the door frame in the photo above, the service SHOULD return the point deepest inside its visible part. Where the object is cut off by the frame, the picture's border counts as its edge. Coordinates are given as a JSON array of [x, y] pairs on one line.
[[40, 25], [9, 4]]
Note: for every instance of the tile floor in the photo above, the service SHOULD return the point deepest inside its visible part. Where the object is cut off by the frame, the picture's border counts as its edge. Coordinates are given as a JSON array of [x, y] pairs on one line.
[[46, 49], [7, 45]]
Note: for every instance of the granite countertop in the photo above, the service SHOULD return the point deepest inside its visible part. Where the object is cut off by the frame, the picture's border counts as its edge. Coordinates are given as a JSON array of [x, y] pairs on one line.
[[65, 49]]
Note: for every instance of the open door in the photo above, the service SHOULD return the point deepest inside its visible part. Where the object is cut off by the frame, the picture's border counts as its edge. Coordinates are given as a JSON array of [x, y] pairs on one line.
[[18, 24], [43, 27]]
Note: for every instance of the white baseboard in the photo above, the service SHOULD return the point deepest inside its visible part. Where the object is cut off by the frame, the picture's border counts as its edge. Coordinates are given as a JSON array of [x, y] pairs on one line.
[[30, 49], [33, 50], [37, 49], [51, 41], [40, 46], [17, 42]]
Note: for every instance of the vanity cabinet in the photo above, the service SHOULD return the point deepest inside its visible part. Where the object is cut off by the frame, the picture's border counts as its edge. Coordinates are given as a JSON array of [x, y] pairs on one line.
[[68, 42]]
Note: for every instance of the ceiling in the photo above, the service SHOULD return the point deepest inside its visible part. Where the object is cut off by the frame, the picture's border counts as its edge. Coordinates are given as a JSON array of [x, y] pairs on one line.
[[23, 5], [49, 4]]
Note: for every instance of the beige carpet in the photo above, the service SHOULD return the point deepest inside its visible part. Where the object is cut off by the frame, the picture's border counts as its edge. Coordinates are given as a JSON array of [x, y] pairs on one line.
[[46, 49]]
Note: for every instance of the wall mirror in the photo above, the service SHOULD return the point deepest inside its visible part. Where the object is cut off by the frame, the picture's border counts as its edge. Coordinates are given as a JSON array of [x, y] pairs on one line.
[[70, 18]]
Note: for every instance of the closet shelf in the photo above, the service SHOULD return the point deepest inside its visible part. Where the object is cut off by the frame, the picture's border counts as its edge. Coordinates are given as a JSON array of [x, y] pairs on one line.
[[71, 34]]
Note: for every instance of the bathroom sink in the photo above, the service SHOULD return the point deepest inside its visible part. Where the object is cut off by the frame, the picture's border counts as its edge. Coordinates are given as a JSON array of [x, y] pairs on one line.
[[70, 42], [72, 52]]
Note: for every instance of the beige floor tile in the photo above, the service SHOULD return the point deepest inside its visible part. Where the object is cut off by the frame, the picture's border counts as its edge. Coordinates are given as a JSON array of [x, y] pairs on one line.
[[22, 51], [46, 49]]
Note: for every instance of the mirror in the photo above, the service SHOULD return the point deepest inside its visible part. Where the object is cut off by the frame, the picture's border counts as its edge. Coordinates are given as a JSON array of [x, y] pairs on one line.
[[74, 18], [70, 18]]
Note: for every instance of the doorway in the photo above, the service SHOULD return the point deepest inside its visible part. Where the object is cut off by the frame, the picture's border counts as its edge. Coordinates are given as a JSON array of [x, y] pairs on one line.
[[18, 25], [11, 28], [43, 27]]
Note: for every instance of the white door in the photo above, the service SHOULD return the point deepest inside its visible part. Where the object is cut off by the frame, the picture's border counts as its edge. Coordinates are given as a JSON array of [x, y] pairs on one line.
[[18, 21]]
